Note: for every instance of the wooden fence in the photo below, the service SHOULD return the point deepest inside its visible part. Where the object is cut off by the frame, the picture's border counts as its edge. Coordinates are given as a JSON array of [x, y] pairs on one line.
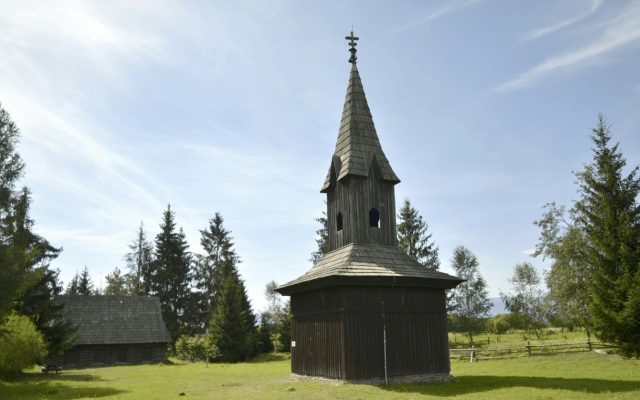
[[529, 350]]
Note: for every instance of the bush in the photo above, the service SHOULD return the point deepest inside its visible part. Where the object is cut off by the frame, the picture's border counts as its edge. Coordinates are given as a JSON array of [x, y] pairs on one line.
[[498, 324], [196, 348], [21, 345]]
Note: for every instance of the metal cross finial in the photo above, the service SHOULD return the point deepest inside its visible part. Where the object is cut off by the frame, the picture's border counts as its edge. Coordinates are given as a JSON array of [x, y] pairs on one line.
[[352, 42]]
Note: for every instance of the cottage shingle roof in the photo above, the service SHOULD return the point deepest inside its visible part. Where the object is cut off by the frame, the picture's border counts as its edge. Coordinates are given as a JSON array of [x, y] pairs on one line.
[[358, 144], [380, 262], [116, 319]]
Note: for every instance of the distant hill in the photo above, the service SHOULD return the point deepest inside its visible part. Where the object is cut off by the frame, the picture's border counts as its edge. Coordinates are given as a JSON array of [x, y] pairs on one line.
[[498, 307]]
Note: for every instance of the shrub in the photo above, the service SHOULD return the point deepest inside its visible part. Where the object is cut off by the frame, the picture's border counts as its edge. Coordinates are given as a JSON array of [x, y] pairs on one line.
[[196, 348], [498, 324], [21, 345]]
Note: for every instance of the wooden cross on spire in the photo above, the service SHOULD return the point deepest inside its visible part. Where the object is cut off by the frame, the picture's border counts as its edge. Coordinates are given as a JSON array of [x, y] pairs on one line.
[[352, 42]]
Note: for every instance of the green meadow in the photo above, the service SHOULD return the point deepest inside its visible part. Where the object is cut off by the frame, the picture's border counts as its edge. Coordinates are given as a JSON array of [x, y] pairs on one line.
[[569, 376]]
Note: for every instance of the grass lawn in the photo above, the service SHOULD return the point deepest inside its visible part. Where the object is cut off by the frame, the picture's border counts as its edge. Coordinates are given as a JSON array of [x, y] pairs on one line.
[[569, 376]]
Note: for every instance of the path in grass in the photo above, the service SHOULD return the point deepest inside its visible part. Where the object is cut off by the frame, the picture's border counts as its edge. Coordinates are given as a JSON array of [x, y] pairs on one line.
[[576, 376]]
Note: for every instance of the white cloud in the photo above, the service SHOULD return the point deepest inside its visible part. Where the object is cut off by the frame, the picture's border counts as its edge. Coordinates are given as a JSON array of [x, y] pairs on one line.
[[449, 7], [546, 30], [621, 31]]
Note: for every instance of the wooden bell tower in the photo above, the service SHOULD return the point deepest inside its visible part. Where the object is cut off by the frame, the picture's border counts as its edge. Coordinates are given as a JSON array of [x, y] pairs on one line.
[[366, 312]]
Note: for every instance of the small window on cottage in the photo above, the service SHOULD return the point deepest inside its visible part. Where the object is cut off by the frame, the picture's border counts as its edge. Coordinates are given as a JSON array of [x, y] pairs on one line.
[[339, 222], [374, 218]]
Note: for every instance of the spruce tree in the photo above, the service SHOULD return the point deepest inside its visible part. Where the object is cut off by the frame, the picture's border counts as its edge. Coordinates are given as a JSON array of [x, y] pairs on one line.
[[24, 255], [41, 305], [139, 262], [413, 238], [232, 323], [609, 213], [322, 239], [171, 277], [469, 301]]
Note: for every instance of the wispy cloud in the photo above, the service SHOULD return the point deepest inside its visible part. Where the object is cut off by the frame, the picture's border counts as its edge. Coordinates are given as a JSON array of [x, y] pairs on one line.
[[546, 30], [449, 7], [621, 31]]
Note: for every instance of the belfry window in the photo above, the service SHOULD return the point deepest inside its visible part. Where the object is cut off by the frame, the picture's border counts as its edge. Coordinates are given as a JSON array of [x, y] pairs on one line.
[[374, 218], [339, 222]]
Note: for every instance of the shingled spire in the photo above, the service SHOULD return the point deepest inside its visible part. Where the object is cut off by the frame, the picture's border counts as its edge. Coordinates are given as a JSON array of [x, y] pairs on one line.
[[358, 144]]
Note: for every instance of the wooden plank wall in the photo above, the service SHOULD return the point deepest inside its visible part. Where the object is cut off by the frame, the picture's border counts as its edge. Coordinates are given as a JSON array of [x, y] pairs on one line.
[[92, 355], [338, 332], [354, 197]]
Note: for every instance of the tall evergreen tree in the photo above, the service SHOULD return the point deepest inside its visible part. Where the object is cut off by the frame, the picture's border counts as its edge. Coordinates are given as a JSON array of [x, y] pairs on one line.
[[81, 284], [322, 239], [171, 277], [139, 262], [232, 324], [469, 301], [23, 254], [609, 213], [39, 303], [413, 238]]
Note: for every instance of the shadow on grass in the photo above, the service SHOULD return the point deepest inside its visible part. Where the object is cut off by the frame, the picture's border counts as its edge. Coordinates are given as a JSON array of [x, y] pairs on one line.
[[21, 389], [62, 377], [268, 357], [474, 384]]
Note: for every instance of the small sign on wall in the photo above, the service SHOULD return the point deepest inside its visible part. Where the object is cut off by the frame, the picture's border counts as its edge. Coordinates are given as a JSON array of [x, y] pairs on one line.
[[293, 343]]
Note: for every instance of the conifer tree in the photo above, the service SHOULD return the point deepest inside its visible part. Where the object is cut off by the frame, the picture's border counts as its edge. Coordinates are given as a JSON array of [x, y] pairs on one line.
[[24, 255], [81, 284], [139, 262], [469, 301], [171, 277], [609, 214], [39, 303], [413, 238], [232, 324], [322, 239]]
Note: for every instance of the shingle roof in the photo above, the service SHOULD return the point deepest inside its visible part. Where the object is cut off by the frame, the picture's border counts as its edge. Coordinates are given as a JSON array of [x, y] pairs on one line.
[[116, 319], [360, 260], [358, 144]]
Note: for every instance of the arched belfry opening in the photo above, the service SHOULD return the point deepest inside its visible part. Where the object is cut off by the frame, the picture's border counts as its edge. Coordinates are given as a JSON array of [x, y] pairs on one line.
[[365, 298], [374, 218]]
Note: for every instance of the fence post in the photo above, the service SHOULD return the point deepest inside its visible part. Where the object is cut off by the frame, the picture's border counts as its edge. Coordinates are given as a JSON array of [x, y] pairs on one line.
[[589, 344], [473, 354], [529, 348]]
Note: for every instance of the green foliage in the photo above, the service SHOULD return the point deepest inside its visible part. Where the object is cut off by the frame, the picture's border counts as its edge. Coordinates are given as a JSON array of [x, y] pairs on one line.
[[81, 284], [322, 238], [196, 348], [527, 303], [498, 324], [23, 253], [40, 305], [139, 263], [219, 260], [117, 284], [413, 238], [172, 276], [232, 324], [564, 242], [608, 214], [21, 345], [469, 301], [275, 322]]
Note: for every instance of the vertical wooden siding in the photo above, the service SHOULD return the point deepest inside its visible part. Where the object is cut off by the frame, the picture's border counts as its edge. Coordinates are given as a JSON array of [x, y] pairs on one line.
[[338, 332]]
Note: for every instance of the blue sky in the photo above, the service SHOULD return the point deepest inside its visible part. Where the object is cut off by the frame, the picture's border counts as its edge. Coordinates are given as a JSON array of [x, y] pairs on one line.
[[482, 107]]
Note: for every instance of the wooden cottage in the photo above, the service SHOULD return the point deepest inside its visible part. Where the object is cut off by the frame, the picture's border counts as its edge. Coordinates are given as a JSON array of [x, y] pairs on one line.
[[366, 311], [114, 330]]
